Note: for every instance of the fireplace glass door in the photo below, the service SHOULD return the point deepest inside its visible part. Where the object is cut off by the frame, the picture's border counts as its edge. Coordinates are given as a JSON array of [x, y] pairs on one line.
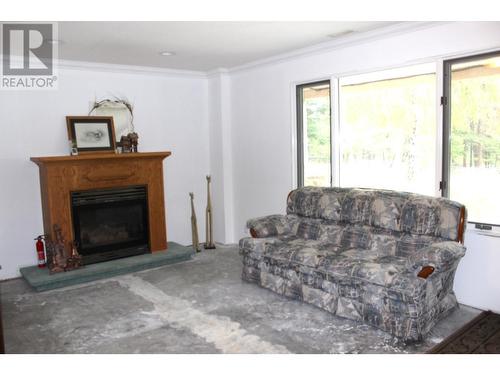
[[111, 223]]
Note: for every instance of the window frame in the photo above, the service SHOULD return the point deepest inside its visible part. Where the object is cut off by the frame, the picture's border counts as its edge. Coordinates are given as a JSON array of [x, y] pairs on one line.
[[383, 70], [443, 81], [335, 146], [444, 184], [299, 100]]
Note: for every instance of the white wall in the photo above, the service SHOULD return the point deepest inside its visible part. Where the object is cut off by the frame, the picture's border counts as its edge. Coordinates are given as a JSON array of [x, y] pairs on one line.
[[170, 114], [219, 101], [262, 123], [478, 275]]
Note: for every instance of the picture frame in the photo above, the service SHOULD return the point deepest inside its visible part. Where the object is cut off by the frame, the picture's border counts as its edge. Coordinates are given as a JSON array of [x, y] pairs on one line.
[[94, 134]]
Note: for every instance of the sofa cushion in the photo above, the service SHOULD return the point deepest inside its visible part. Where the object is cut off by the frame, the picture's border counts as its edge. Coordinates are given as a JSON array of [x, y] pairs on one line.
[[408, 244], [421, 215], [314, 202], [337, 266], [388, 272], [356, 207], [331, 233], [386, 209], [360, 254], [384, 243], [375, 272], [304, 202], [330, 204], [355, 236], [255, 247], [299, 252], [273, 225], [309, 229], [349, 270]]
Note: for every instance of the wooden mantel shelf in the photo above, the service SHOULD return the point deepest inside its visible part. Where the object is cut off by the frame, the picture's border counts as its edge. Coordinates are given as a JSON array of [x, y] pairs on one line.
[[103, 156], [61, 175]]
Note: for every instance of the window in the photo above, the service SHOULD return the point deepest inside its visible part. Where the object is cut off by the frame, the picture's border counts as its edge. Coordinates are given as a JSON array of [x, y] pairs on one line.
[[385, 129], [388, 130], [314, 134], [383, 133], [471, 147]]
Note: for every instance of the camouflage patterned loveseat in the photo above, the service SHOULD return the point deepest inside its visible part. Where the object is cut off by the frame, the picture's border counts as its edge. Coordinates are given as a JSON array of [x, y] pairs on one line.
[[383, 257]]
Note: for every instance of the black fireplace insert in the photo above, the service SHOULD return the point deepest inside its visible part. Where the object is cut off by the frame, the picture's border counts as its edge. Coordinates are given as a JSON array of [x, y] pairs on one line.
[[110, 223]]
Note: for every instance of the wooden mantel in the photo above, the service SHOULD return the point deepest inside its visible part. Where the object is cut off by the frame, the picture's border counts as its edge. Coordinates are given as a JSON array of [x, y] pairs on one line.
[[61, 175]]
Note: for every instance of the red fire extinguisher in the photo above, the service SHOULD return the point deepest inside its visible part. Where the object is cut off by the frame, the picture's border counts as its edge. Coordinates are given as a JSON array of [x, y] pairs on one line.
[[40, 250]]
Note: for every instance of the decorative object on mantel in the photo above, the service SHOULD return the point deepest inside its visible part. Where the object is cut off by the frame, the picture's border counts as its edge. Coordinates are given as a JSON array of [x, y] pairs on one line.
[[134, 140], [91, 133], [194, 226], [209, 241], [73, 150], [126, 146], [122, 112], [128, 143], [57, 254]]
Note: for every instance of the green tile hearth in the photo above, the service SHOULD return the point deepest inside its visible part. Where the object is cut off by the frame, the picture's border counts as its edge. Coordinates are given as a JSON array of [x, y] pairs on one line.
[[40, 279]]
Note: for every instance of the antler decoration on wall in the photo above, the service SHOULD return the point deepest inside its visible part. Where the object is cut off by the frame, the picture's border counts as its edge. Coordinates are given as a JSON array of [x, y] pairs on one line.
[[116, 100]]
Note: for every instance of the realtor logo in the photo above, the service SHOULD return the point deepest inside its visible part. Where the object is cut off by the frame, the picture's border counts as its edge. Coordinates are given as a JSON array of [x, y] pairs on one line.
[[28, 55]]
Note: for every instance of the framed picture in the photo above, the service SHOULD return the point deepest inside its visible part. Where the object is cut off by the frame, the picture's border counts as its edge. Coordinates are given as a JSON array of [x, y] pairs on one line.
[[91, 133]]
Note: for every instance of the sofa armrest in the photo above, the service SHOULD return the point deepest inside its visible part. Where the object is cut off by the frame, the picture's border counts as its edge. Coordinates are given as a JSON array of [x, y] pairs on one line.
[[272, 225], [255, 247], [440, 256]]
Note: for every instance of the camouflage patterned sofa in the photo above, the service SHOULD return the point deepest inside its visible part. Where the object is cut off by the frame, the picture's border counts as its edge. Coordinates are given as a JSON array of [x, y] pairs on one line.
[[383, 257]]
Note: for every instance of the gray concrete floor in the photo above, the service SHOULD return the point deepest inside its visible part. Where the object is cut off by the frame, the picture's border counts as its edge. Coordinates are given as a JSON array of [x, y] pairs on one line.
[[199, 306]]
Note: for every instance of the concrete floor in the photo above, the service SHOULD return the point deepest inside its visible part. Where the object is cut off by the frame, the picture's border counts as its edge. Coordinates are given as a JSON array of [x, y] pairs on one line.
[[199, 306]]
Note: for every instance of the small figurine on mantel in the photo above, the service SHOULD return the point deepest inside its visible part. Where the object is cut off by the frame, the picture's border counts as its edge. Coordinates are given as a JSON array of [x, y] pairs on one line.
[[134, 141], [126, 145], [57, 254], [129, 142]]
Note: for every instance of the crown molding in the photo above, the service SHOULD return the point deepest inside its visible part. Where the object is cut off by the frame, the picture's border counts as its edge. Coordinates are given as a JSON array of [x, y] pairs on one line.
[[337, 43], [340, 42], [130, 69], [216, 72]]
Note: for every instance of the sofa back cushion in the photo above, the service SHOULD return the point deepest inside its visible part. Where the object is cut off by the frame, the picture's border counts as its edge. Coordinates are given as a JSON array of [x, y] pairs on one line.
[[318, 203], [309, 228], [357, 207], [386, 210], [389, 210]]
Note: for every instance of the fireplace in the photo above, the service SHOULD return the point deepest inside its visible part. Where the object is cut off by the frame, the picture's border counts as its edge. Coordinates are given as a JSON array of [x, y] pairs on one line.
[[62, 177], [110, 223]]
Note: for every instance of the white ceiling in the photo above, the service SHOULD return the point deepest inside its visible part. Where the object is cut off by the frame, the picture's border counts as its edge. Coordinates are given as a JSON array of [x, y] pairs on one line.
[[201, 46]]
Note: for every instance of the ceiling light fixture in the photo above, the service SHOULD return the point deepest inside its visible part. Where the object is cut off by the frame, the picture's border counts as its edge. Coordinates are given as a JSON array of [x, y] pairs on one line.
[[167, 53]]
